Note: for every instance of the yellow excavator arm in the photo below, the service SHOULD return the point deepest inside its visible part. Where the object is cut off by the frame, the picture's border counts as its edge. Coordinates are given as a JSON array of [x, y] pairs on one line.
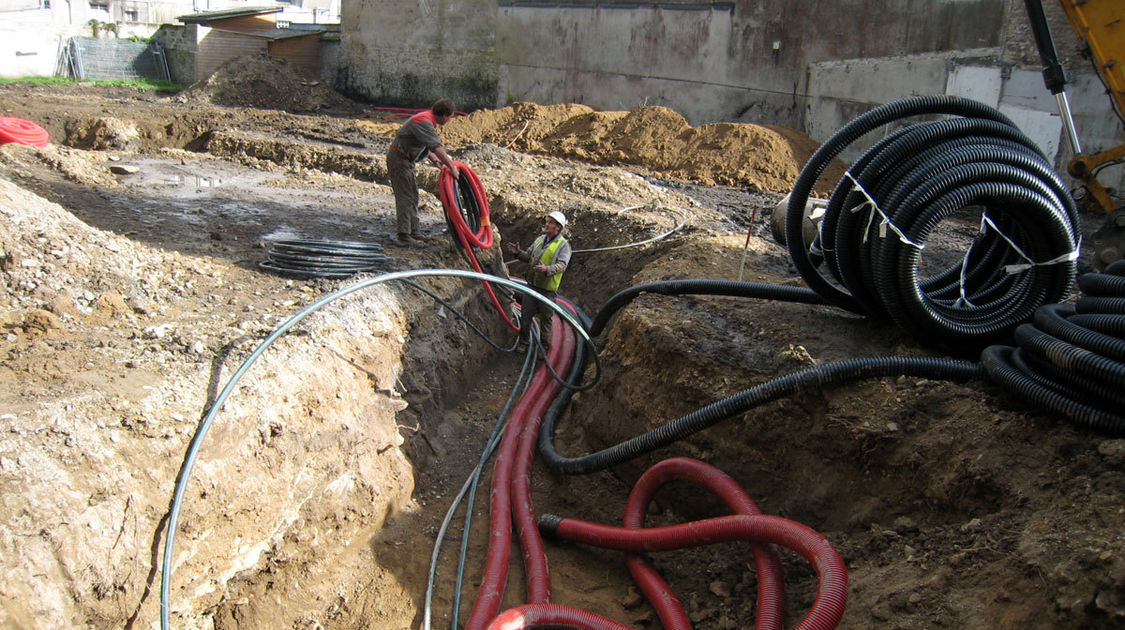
[[1100, 26]]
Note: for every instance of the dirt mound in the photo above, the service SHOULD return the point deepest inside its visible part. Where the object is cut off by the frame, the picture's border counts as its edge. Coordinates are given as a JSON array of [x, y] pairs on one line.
[[654, 139], [263, 82]]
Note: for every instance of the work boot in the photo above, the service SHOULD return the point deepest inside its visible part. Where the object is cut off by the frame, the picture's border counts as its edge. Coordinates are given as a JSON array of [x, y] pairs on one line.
[[406, 240]]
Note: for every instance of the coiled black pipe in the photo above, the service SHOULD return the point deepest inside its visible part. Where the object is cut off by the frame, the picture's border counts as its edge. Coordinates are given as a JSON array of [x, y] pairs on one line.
[[917, 177], [323, 258], [1071, 360], [880, 215]]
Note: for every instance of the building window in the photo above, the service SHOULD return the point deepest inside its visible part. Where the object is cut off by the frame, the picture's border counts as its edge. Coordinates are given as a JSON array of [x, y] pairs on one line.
[[100, 5], [131, 15]]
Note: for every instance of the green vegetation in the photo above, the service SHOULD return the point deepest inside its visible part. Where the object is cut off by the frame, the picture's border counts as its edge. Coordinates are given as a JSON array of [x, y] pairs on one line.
[[96, 27], [143, 85]]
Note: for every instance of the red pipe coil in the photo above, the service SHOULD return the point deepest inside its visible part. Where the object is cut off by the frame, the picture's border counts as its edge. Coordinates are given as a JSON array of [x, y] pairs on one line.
[[832, 591], [771, 579], [483, 238], [22, 131]]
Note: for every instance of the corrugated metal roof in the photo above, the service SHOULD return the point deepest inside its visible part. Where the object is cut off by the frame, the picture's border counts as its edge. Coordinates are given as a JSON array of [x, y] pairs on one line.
[[273, 34], [210, 16]]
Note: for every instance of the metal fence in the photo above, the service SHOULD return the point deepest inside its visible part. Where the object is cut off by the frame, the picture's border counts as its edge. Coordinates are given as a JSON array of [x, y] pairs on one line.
[[93, 58]]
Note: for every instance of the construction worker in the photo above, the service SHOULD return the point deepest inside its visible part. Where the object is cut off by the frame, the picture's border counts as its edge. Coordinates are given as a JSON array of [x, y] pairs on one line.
[[547, 257], [416, 140]]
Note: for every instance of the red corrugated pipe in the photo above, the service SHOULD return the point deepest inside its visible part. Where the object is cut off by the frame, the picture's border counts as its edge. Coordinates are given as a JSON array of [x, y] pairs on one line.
[[529, 410], [552, 616], [832, 591], [537, 576], [451, 201], [771, 579]]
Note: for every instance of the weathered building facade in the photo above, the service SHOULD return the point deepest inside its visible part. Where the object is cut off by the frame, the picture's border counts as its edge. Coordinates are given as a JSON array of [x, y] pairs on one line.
[[806, 64]]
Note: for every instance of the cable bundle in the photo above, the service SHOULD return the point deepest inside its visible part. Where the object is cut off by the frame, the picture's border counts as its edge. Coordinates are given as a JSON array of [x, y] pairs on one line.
[[323, 258], [880, 215], [1072, 359]]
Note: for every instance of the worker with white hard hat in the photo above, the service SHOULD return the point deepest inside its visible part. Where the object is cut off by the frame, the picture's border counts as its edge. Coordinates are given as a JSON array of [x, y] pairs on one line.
[[548, 258]]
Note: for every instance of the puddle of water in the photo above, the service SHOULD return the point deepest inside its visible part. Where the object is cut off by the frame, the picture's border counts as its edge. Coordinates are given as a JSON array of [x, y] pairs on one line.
[[185, 200]]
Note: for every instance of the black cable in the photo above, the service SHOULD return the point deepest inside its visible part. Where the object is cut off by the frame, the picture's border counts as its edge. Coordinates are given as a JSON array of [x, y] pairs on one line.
[[815, 378], [701, 287], [460, 316]]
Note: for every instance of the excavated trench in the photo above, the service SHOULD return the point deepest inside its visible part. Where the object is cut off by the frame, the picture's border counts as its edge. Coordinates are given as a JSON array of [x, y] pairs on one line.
[[322, 485]]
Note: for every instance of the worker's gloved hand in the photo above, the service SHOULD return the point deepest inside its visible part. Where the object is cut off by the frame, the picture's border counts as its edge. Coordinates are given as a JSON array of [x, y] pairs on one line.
[[512, 248]]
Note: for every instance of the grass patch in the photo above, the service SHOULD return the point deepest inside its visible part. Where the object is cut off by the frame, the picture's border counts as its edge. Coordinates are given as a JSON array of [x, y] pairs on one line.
[[144, 85]]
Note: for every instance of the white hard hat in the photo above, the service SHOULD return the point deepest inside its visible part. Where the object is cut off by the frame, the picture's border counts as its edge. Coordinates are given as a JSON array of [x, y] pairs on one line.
[[557, 216]]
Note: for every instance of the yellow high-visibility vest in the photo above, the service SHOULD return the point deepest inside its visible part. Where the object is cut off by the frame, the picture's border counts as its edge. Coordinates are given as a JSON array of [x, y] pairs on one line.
[[543, 281]]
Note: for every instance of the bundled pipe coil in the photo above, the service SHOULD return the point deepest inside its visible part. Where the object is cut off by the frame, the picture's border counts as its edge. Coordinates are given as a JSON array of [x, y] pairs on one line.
[[875, 228], [323, 258]]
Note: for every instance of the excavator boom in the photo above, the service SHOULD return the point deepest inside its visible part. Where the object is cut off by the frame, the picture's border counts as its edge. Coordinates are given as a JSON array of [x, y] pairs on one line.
[[1100, 26]]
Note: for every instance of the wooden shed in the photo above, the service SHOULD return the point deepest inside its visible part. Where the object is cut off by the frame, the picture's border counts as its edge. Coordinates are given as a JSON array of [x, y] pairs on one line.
[[220, 36]]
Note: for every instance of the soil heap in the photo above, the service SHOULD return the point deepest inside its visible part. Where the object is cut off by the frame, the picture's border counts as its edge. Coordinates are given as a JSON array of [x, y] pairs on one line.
[[263, 82]]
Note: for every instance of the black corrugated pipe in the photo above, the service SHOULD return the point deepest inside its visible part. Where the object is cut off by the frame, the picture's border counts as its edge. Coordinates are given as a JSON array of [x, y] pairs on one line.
[[836, 373], [880, 215], [551, 417], [1072, 359], [701, 287], [1021, 264]]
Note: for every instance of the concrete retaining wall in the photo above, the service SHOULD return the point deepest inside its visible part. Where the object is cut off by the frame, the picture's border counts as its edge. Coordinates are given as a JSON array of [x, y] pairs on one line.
[[413, 52], [808, 65]]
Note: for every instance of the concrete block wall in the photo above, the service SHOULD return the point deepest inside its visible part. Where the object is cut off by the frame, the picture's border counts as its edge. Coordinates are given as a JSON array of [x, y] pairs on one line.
[[718, 60], [839, 91], [620, 57]]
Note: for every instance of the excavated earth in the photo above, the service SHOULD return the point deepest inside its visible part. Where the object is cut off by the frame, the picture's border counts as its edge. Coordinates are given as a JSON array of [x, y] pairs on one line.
[[130, 250]]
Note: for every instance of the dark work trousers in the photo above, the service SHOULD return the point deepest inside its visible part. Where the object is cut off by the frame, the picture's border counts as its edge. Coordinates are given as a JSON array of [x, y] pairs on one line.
[[404, 183], [530, 307]]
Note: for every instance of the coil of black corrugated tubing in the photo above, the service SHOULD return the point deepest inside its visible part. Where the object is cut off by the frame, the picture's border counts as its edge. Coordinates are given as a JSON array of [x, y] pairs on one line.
[[1021, 265], [323, 257]]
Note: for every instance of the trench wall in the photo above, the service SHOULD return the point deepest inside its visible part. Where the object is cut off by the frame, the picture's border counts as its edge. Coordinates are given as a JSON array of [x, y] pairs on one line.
[[807, 65]]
